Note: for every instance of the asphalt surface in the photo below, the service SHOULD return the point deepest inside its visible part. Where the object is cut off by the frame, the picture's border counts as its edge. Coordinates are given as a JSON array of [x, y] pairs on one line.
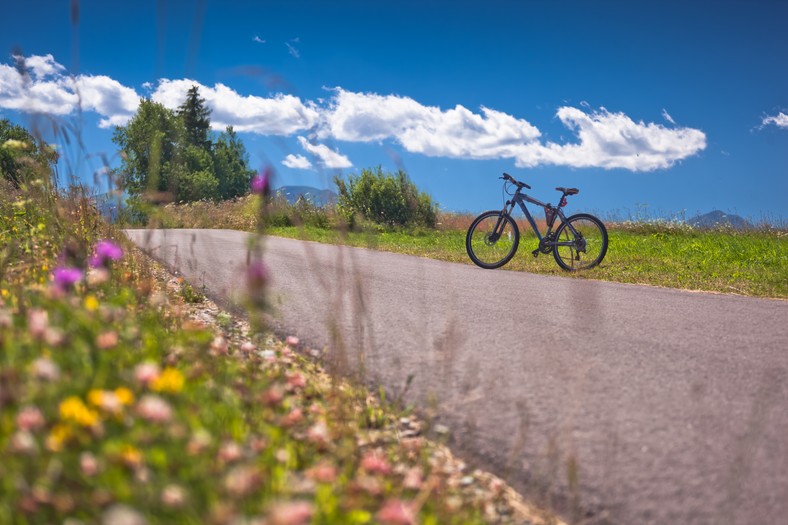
[[612, 403]]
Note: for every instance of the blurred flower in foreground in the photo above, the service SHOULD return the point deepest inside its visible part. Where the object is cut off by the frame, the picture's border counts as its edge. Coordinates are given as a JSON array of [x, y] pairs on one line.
[[256, 276], [37, 322], [170, 380], [261, 183], [154, 409], [291, 513], [30, 418], [145, 373], [65, 277], [106, 252], [73, 409], [396, 512]]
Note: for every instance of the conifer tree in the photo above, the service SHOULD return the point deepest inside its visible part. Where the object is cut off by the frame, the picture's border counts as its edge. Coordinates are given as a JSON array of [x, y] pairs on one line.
[[196, 117]]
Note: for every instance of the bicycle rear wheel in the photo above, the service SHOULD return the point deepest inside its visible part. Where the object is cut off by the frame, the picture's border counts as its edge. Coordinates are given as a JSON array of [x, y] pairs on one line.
[[492, 239], [583, 248]]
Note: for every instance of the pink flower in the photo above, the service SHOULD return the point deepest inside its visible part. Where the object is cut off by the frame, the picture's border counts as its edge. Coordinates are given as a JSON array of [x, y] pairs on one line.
[[318, 434], [291, 513], [30, 418], [46, 369], [154, 409], [107, 340], [88, 464], [242, 480], [295, 381], [147, 372], [293, 418], [66, 277], [396, 512], [219, 345], [173, 496], [374, 463], [37, 323], [292, 341], [106, 251], [248, 347], [256, 276], [413, 479], [323, 473], [229, 452]]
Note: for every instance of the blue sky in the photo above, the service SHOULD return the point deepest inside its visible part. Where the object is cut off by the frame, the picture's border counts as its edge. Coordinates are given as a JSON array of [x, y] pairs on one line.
[[648, 107]]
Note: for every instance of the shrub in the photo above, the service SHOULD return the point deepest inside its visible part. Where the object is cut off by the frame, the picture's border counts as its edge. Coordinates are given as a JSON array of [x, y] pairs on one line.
[[390, 199]]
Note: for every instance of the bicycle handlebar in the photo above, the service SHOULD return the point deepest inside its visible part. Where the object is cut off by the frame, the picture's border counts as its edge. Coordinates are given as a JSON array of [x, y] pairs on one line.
[[519, 184]]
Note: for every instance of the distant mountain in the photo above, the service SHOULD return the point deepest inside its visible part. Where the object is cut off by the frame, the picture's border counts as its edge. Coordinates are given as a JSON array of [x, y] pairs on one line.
[[718, 218], [317, 196]]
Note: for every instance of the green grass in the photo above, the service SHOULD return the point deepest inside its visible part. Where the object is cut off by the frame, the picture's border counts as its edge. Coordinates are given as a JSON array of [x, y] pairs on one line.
[[748, 263]]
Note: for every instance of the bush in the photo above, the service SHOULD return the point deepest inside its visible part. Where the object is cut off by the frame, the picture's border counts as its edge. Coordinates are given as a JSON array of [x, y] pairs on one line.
[[390, 199]]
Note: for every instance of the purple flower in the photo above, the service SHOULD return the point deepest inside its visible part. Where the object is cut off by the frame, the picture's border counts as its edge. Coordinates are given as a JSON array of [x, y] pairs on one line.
[[260, 183], [66, 277], [105, 252], [256, 275]]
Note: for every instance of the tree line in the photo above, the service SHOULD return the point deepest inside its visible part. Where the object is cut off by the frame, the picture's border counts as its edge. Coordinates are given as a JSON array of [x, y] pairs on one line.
[[170, 155]]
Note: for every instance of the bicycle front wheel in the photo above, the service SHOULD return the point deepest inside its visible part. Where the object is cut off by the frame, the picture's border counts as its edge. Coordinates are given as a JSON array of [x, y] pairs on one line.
[[581, 243], [492, 239]]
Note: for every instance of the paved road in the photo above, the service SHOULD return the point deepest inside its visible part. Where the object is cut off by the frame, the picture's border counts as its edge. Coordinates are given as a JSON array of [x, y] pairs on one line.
[[619, 403]]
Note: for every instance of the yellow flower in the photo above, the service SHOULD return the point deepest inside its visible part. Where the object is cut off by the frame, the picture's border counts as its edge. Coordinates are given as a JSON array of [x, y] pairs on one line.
[[131, 456], [95, 397], [170, 380], [4, 292], [73, 409], [125, 396], [59, 434], [91, 303]]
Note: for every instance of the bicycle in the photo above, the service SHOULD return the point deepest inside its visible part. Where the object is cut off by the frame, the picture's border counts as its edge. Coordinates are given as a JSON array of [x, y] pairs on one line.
[[579, 242]]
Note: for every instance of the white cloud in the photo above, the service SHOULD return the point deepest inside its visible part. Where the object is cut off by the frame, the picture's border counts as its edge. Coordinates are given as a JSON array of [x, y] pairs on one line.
[[325, 155], [667, 116], [602, 138], [298, 162], [780, 120], [280, 115], [258, 40]]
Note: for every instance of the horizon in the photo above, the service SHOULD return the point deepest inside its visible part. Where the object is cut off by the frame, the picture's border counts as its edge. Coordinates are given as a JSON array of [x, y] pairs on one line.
[[684, 117]]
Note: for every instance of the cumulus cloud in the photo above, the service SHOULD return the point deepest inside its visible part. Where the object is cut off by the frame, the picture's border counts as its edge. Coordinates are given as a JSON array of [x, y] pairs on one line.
[[602, 139], [325, 156], [280, 115], [780, 120], [298, 162]]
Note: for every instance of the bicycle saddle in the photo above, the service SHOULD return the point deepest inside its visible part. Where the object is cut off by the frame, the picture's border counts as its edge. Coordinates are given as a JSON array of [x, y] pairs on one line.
[[569, 191]]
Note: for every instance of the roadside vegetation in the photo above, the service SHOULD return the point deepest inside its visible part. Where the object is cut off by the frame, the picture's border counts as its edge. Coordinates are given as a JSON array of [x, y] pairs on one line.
[[659, 253], [117, 406]]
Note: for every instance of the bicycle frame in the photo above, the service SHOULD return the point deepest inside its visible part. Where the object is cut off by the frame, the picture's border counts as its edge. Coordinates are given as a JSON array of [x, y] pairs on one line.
[[521, 199]]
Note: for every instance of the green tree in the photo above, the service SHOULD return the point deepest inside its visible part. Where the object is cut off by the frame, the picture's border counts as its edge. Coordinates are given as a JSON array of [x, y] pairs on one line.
[[385, 198], [148, 146], [196, 117], [22, 156], [193, 176], [231, 165]]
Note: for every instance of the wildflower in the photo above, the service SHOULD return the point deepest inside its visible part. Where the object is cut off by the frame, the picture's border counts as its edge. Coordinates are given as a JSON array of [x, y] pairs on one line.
[[65, 277], [170, 380], [318, 433], [260, 184], [46, 369], [295, 381], [292, 341], [120, 514], [124, 395], [229, 452], [57, 437], [91, 303], [107, 340], [37, 323], [173, 496], [273, 396], [106, 252], [293, 418], [373, 463], [73, 409], [291, 513], [323, 473], [396, 512], [105, 400], [145, 373], [88, 464], [97, 276], [413, 479], [219, 345], [131, 456], [54, 336], [242, 480], [248, 347], [154, 409], [29, 418], [256, 276], [23, 442]]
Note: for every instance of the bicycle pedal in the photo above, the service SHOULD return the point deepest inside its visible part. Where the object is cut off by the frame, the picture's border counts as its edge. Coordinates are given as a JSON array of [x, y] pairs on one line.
[[535, 253]]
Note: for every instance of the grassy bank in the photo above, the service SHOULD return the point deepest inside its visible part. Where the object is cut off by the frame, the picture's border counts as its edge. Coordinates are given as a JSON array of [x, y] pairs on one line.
[[118, 407], [727, 261]]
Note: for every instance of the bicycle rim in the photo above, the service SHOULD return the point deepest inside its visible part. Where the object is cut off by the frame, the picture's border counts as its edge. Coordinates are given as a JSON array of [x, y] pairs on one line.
[[489, 248], [583, 252]]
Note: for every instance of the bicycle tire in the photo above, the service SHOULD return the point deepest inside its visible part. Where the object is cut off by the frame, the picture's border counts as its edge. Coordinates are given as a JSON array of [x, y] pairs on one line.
[[487, 253], [594, 239]]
